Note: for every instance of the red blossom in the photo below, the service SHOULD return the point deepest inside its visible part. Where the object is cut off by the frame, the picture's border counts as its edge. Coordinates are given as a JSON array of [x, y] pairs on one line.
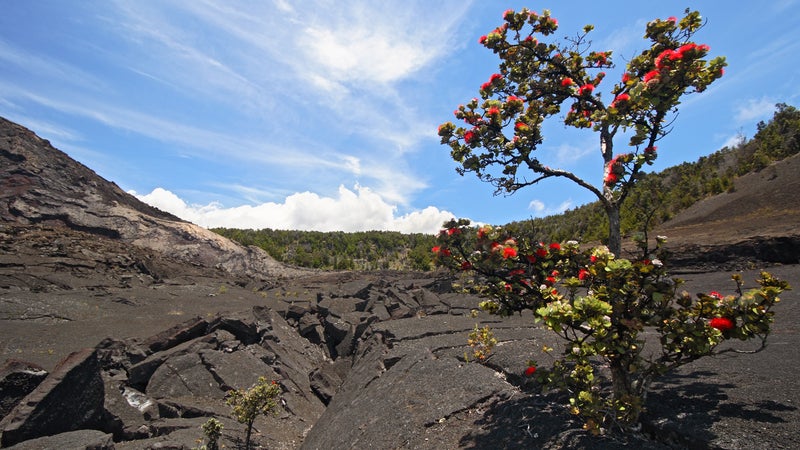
[[611, 178], [626, 77], [508, 287], [509, 252], [452, 231], [715, 294], [521, 126], [586, 89], [507, 13], [555, 246], [486, 86], [531, 259], [482, 39], [567, 82], [550, 281], [542, 252], [721, 323], [482, 232], [650, 76], [466, 265], [469, 136], [514, 99], [582, 274], [672, 19], [494, 110], [622, 98], [530, 371], [593, 259], [495, 77], [441, 251]]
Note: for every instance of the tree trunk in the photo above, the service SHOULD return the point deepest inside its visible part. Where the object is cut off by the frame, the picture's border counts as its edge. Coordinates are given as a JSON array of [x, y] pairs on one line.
[[624, 390], [614, 237], [248, 434]]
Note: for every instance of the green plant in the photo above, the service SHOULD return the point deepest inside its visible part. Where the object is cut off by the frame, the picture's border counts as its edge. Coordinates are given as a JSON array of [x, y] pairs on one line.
[[212, 430], [606, 310], [482, 342], [247, 405], [539, 81]]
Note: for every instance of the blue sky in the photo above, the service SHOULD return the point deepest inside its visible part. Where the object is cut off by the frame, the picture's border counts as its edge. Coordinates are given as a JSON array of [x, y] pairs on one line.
[[323, 114]]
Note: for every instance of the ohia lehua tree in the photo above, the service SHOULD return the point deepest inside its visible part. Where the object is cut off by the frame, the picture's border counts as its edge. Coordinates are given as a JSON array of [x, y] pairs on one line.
[[606, 309]]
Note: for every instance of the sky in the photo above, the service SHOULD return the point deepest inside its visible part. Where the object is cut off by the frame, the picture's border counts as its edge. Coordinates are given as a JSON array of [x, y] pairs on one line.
[[322, 115]]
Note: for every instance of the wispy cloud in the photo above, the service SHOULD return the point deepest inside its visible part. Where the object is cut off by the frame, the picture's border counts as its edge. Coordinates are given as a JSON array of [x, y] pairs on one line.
[[541, 209], [754, 109]]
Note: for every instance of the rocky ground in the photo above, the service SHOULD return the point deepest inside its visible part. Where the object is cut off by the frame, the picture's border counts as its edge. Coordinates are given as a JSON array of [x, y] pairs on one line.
[[123, 328]]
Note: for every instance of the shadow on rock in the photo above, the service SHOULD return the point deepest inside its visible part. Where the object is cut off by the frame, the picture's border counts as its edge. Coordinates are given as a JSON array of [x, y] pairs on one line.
[[543, 422], [682, 409]]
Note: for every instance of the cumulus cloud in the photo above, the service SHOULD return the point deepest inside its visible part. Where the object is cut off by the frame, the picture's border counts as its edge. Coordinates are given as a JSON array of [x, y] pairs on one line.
[[359, 209]]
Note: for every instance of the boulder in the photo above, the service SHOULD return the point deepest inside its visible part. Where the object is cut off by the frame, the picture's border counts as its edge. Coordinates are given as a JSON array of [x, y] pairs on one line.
[[184, 376], [71, 440], [70, 398], [17, 379]]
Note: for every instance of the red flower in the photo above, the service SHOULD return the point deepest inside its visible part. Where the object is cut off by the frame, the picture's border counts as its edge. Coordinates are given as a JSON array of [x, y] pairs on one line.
[[582, 274], [486, 86], [521, 126], [494, 110], [626, 77], [550, 281], [716, 295], [481, 232], [721, 323], [530, 371], [622, 98], [650, 150], [531, 259], [567, 82], [514, 99], [672, 19], [586, 89], [611, 178], [466, 265], [452, 231], [482, 39], [509, 252], [541, 252], [469, 136], [593, 259], [555, 246], [650, 76], [495, 77]]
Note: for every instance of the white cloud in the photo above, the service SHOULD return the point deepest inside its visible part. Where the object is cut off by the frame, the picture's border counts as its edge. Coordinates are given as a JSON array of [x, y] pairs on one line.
[[754, 109], [540, 209], [352, 210]]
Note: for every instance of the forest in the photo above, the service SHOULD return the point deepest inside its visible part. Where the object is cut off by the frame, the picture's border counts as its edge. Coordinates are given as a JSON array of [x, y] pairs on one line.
[[655, 199]]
